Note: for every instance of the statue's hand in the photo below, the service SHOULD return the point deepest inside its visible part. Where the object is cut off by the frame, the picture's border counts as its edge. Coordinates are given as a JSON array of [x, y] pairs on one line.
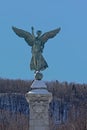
[[32, 28]]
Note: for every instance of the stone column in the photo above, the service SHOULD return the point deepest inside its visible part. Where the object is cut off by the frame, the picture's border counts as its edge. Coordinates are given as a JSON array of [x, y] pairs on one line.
[[39, 99]]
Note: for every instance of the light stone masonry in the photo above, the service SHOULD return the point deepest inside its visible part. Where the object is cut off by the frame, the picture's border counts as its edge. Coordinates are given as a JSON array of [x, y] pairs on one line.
[[39, 99]]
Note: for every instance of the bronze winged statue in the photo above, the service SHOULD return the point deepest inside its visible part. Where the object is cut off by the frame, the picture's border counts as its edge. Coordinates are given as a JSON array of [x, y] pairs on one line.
[[38, 63]]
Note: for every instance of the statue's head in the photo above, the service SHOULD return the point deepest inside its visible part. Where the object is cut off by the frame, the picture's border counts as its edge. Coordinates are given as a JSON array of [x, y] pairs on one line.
[[39, 33]]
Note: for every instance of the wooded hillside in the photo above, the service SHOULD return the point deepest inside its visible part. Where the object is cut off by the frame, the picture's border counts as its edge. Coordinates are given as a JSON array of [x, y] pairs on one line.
[[68, 109]]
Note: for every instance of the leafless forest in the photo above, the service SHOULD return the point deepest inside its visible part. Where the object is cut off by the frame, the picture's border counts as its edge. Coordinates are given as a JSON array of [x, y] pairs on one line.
[[68, 109]]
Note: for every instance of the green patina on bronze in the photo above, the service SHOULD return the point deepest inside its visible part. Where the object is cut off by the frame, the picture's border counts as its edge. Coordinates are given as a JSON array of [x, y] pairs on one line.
[[38, 63]]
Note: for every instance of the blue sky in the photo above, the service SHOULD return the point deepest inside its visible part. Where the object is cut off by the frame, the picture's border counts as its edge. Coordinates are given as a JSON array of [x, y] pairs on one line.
[[66, 54]]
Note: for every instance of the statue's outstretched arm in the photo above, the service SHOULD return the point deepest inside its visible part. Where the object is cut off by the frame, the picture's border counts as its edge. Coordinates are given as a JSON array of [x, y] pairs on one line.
[[49, 35], [24, 34]]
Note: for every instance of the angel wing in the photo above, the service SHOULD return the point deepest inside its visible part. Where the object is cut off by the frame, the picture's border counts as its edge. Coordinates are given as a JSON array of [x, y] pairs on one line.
[[49, 35], [24, 34]]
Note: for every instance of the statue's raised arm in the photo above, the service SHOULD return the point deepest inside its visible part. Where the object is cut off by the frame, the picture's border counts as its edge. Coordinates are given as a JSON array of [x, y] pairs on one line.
[[29, 38], [49, 35]]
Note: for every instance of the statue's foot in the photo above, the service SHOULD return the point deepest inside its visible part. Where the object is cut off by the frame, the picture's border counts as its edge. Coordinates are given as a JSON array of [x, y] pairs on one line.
[[38, 76]]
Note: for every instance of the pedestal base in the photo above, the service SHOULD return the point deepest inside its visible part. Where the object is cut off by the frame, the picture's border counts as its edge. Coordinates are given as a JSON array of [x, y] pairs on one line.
[[39, 104]]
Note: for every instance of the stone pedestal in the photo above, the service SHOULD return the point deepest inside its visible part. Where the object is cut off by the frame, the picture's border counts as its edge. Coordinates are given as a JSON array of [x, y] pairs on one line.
[[39, 99]]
